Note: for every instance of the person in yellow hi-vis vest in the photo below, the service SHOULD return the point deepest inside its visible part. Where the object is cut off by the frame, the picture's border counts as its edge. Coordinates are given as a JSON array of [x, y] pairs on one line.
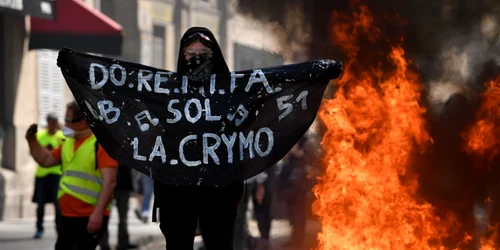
[[47, 179], [87, 182]]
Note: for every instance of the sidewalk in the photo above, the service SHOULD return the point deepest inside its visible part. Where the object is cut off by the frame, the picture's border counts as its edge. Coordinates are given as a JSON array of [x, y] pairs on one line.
[[18, 235]]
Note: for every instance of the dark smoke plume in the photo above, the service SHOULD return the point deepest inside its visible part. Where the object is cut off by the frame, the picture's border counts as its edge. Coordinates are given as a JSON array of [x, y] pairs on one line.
[[447, 40]]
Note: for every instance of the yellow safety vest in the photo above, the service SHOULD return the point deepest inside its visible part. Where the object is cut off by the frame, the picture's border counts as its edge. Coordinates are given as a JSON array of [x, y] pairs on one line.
[[54, 141], [80, 178]]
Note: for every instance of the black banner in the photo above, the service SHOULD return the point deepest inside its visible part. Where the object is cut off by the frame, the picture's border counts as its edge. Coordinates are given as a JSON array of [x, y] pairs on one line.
[[231, 128]]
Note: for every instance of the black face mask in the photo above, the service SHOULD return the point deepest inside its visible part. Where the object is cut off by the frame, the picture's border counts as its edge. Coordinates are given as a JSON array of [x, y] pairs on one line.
[[199, 68]]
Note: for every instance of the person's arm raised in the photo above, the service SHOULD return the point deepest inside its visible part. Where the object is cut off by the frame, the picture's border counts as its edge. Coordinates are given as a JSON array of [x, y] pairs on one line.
[[41, 155]]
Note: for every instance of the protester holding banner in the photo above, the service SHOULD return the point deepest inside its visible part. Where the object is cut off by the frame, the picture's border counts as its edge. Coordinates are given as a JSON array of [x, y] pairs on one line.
[[199, 132], [180, 206], [47, 179], [87, 181]]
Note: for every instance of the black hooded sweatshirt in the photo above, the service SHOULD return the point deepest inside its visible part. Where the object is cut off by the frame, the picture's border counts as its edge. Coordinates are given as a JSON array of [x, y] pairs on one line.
[[220, 66]]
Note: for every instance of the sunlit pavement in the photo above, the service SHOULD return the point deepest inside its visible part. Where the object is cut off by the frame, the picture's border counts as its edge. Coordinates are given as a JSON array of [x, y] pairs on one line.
[[17, 235], [280, 233]]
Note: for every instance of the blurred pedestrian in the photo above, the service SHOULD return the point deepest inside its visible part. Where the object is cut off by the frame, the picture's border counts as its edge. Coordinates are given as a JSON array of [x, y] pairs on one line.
[[147, 187], [262, 200], [123, 191], [47, 179], [293, 178], [138, 191], [243, 240], [87, 182]]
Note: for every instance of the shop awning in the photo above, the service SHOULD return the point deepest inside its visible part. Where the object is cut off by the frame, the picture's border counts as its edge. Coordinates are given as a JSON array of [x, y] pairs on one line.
[[35, 8], [79, 27]]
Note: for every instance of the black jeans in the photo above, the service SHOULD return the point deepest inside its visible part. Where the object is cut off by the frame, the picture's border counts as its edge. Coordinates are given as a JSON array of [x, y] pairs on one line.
[[46, 192], [121, 198], [74, 234], [215, 207]]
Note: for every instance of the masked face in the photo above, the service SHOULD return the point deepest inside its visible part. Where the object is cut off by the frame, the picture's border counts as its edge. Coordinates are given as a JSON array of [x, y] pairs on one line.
[[199, 68], [68, 132]]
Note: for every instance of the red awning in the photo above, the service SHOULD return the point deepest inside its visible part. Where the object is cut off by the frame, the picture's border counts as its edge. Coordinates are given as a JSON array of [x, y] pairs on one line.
[[78, 27]]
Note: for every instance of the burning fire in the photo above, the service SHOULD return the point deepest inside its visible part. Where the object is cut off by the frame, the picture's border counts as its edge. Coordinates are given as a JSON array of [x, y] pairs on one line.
[[367, 198], [483, 137]]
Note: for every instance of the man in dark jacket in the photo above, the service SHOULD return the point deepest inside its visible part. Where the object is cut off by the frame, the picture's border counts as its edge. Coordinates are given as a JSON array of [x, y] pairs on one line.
[[181, 206]]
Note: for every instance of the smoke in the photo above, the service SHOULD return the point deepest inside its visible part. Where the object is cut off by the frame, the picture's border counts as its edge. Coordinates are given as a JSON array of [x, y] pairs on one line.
[[450, 42]]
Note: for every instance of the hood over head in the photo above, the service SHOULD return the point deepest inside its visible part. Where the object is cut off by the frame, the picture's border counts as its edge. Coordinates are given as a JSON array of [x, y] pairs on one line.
[[200, 34]]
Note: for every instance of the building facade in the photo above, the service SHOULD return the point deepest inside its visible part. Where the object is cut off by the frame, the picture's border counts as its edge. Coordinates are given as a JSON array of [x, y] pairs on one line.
[[31, 85]]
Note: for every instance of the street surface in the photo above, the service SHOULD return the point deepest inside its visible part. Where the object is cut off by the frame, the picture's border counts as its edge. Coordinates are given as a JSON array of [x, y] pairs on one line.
[[17, 235]]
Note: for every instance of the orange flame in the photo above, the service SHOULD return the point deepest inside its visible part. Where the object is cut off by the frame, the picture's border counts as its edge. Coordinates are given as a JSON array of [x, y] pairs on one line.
[[483, 137], [366, 198]]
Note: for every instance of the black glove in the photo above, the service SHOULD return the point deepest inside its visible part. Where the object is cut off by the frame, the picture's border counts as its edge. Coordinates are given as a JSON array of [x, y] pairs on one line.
[[31, 132], [62, 57]]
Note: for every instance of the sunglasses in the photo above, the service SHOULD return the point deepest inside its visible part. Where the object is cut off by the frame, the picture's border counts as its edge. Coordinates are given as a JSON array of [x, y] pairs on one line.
[[202, 52], [200, 35], [77, 119]]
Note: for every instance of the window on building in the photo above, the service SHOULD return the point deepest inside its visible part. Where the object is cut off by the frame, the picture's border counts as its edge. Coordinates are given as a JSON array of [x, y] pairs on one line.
[[97, 4], [50, 87], [159, 46]]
